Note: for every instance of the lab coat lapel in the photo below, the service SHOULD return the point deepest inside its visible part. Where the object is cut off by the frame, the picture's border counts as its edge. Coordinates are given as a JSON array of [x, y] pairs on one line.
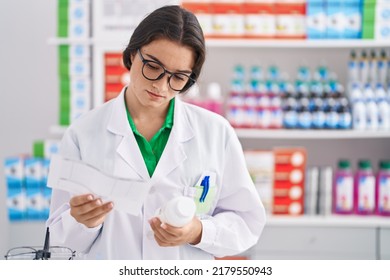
[[128, 148], [174, 153]]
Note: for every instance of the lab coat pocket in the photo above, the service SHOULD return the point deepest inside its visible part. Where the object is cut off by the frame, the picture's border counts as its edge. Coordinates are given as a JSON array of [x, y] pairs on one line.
[[204, 193], [203, 206]]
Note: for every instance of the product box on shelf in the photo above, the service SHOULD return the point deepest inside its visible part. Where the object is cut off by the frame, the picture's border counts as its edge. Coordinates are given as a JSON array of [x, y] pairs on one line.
[[382, 20], [368, 19], [290, 19], [46, 191], [316, 19], [28, 197], [259, 19], [33, 183], [289, 180], [228, 19], [73, 18], [260, 165], [16, 197], [203, 11], [352, 10], [116, 76]]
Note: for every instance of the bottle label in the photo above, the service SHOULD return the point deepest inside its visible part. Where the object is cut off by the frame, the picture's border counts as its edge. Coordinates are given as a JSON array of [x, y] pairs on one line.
[[384, 194], [366, 194], [344, 194]]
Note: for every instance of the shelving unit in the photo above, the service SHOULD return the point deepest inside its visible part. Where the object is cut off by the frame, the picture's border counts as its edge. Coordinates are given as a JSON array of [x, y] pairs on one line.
[[267, 43], [309, 134], [309, 237], [330, 221]]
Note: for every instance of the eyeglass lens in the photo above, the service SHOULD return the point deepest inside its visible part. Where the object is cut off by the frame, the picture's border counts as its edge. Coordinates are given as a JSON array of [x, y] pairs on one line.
[[154, 71]]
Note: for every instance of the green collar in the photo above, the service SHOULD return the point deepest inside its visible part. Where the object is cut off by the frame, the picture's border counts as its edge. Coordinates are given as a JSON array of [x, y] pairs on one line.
[[168, 123]]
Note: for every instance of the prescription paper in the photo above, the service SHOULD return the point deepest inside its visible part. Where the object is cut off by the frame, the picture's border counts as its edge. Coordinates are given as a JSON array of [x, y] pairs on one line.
[[77, 177]]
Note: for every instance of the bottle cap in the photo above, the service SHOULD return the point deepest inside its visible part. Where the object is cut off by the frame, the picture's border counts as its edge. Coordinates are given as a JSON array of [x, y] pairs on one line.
[[384, 164], [364, 164], [344, 164]]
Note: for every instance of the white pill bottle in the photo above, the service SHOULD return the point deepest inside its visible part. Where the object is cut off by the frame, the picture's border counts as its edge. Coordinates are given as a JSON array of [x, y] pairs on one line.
[[177, 212]]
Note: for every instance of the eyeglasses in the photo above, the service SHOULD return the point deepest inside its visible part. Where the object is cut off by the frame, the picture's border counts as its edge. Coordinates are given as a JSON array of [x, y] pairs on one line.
[[153, 71], [34, 253]]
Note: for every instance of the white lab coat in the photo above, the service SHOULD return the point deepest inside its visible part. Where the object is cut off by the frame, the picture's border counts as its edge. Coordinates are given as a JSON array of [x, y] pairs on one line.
[[199, 141]]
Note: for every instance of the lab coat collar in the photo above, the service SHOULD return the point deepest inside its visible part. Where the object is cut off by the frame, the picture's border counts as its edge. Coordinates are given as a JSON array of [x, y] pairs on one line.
[[173, 154]]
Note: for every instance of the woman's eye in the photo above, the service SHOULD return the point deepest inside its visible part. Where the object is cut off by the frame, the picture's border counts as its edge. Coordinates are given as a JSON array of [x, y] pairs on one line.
[[179, 77], [152, 66]]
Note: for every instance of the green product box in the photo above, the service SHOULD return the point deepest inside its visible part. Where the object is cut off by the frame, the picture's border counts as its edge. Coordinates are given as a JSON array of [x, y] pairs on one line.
[[63, 52], [63, 68], [368, 30], [64, 118], [368, 14], [39, 149], [65, 86]]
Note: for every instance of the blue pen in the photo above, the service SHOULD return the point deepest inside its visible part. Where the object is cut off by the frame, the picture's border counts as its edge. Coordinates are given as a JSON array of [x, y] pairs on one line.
[[205, 184]]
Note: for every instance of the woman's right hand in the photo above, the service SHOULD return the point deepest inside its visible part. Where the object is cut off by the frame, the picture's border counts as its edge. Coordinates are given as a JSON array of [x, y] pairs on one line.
[[88, 210]]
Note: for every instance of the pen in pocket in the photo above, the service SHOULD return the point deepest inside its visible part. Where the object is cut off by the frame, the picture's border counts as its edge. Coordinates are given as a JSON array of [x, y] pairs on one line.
[[205, 184]]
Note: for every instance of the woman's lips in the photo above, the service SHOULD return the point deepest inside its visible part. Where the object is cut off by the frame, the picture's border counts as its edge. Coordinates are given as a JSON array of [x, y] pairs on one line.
[[155, 94]]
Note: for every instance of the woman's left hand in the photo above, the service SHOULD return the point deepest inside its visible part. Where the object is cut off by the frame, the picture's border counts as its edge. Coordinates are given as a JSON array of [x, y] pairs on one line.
[[167, 235]]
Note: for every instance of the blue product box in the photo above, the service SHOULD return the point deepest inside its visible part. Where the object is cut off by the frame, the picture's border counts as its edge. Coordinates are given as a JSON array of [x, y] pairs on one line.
[[353, 18], [316, 19], [34, 195], [45, 189], [14, 176], [335, 19]]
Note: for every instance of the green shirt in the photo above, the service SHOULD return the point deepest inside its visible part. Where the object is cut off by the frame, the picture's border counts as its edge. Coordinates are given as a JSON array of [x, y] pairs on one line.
[[151, 151]]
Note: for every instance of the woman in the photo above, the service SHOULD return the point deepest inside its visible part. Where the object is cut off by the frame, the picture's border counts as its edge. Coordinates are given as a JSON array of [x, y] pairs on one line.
[[146, 133]]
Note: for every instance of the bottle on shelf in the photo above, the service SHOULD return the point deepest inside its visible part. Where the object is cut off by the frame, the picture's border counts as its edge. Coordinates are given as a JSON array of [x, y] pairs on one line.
[[343, 189], [383, 67], [358, 108], [383, 189], [371, 108], [214, 101], [373, 68], [383, 105], [364, 67], [353, 70], [364, 189]]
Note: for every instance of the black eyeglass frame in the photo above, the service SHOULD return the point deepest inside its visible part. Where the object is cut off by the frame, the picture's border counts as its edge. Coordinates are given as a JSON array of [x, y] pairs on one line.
[[189, 83]]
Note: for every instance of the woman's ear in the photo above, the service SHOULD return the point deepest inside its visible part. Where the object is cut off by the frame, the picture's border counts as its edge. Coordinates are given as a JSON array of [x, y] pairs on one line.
[[132, 56]]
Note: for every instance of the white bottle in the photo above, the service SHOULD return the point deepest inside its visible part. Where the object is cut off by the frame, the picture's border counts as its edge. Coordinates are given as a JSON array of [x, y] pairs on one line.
[[358, 109], [383, 67], [383, 108], [353, 68], [214, 98], [373, 72], [364, 67], [177, 212], [371, 108]]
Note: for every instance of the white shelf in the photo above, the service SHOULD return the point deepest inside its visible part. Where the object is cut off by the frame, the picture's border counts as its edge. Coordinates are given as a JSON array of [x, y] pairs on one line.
[[57, 130], [70, 41], [309, 134], [249, 43], [329, 221], [268, 43]]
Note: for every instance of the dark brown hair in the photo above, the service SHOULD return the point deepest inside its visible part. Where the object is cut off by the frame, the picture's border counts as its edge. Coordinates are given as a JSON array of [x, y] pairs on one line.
[[173, 23]]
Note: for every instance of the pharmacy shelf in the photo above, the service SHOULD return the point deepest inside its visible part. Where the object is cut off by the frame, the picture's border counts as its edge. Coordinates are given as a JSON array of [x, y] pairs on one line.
[[249, 133], [329, 221], [249, 43], [57, 130], [309, 134], [70, 41], [268, 43]]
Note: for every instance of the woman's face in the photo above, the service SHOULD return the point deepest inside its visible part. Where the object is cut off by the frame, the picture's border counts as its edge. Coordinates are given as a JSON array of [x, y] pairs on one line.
[[173, 57]]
